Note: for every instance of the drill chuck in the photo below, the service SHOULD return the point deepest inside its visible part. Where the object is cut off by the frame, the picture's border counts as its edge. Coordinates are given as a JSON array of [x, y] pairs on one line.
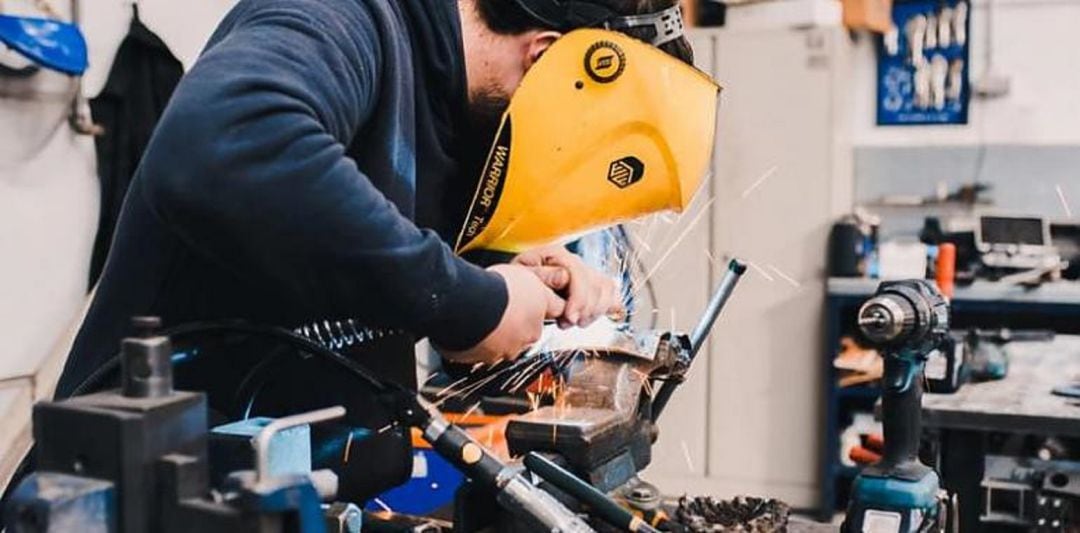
[[908, 314], [887, 319]]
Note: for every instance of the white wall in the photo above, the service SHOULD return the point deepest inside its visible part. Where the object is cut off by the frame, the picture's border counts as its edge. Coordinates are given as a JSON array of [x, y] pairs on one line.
[[48, 184], [1036, 43], [49, 199], [749, 421]]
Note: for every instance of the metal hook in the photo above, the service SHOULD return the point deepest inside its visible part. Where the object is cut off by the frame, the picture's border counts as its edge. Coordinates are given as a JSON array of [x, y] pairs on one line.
[[80, 119]]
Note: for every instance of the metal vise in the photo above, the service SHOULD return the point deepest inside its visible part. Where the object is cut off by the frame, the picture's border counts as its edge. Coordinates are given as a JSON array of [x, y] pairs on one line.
[[604, 424]]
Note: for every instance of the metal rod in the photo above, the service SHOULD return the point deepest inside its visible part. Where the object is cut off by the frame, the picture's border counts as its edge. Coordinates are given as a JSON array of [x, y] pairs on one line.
[[598, 502], [261, 442], [723, 293], [700, 334]]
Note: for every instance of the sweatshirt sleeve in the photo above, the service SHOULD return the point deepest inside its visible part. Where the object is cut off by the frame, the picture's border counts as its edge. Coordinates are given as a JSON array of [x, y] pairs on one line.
[[248, 167]]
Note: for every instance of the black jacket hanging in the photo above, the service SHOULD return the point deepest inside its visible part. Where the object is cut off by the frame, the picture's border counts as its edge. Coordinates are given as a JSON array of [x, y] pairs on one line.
[[141, 81]]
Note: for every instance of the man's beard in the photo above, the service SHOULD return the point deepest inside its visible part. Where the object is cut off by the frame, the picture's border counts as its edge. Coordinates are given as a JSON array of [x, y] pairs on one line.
[[486, 109]]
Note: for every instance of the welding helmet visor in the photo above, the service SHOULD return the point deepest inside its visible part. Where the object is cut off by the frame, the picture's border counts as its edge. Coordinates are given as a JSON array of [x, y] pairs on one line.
[[604, 128]]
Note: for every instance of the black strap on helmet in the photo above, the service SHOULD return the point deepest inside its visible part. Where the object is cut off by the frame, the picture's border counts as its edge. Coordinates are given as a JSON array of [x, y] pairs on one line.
[[567, 15]]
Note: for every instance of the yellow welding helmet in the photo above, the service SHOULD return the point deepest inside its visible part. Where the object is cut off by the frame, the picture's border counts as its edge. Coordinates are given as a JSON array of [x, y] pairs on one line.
[[603, 129]]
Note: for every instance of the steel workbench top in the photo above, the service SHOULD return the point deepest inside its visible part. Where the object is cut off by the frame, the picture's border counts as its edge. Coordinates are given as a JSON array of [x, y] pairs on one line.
[[1022, 402]]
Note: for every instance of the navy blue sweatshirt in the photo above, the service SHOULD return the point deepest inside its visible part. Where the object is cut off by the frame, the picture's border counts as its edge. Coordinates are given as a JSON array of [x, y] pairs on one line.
[[292, 177]]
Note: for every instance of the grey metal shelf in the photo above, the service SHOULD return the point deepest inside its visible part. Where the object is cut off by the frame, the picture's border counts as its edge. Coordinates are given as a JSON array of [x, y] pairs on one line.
[[1057, 293]]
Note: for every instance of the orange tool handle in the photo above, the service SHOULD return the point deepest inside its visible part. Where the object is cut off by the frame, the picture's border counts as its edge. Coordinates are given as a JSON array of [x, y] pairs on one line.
[[946, 269]]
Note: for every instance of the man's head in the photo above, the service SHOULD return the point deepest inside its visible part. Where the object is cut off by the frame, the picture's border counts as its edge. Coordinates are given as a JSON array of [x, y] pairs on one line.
[[503, 40]]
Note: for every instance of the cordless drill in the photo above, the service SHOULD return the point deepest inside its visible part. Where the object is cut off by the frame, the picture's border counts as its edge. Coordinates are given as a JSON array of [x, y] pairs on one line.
[[905, 321]]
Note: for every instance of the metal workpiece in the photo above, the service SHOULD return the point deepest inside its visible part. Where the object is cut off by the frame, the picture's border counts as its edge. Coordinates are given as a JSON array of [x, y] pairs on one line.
[[720, 297], [261, 442], [603, 425], [606, 383], [605, 338], [719, 300], [146, 361]]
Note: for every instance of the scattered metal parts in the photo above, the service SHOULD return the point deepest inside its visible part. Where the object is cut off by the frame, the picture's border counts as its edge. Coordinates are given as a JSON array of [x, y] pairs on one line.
[[708, 515]]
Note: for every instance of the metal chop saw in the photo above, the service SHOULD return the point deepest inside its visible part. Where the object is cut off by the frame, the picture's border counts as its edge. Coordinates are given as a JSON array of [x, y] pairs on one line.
[[905, 321]]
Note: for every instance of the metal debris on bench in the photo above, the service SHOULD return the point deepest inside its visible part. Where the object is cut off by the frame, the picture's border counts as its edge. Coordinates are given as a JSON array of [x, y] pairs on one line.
[[743, 514]]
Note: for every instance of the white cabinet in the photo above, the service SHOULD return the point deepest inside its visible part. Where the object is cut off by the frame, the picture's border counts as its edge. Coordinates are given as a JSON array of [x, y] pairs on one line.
[[748, 422]]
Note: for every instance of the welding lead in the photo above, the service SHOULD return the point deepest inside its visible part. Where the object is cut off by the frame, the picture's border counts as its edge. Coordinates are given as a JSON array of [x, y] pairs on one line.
[[598, 502], [513, 491]]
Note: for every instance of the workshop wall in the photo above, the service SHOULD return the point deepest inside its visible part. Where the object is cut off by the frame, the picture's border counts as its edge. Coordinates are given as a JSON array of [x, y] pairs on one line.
[[48, 184], [1024, 144]]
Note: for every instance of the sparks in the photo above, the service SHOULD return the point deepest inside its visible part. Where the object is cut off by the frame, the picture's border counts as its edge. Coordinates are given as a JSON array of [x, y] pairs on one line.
[[382, 504], [761, 271], [1064, 202], [682, 236], [348, 448], [768, 174], [470, 411], [645, 383], [709, 256], [686, 455], [785, 277], [451, 386], [641, 242]]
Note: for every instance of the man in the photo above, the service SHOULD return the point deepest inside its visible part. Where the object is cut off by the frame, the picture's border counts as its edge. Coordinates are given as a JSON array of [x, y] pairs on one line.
[[291, 175], [314, 163]]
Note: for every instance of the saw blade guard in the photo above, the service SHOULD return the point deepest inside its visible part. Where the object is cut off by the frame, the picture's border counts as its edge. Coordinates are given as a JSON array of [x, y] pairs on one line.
[[603, 129]]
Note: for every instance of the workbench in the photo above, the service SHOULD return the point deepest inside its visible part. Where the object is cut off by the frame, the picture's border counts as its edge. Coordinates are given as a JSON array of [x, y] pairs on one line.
[[1020, 404], [983, 304]]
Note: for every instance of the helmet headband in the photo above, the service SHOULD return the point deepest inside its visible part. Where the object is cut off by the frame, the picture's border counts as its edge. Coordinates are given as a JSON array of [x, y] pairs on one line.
[[568, 15]]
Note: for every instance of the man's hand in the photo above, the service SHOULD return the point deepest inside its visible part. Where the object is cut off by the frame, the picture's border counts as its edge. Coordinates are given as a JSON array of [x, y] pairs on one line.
[[590, 293], [530, 302]]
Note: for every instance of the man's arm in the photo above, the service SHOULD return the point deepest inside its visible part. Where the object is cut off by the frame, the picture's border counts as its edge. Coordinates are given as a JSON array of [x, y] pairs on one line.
[[248, 166]]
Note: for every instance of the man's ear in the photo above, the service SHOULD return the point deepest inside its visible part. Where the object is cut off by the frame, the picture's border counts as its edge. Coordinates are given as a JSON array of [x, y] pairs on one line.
[[538, 43]]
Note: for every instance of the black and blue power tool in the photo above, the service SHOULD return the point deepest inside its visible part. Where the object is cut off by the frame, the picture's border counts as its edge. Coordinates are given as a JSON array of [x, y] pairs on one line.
[[905, 321]]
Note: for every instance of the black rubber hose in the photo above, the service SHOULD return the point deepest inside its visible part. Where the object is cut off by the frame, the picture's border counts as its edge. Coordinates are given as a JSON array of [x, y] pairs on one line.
[[97, 379]]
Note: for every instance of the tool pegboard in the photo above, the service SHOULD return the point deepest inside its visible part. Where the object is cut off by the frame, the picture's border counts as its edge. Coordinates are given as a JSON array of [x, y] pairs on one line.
[[923, 64]]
